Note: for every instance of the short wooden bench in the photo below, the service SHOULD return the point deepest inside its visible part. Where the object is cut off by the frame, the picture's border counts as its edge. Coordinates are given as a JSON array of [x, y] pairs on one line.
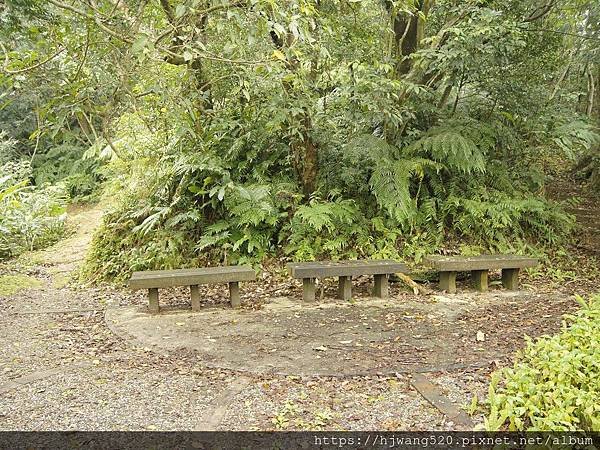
[[479, 266], [155, 279], [345, 270]]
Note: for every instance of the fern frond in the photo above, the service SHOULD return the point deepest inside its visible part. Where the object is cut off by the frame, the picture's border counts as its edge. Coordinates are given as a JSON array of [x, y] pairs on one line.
[[321, 216], [252, 205], [576, 135], [390, 183], [371, 145], [150, 222], [455, 151]]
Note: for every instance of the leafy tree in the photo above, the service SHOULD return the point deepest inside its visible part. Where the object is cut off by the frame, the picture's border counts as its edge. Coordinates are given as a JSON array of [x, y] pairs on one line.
[[236, 130]]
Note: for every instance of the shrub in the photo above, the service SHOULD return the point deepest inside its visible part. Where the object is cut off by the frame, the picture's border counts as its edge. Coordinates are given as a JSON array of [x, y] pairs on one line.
[[555, 382], [230, 195], [8, 150], [337, 230], [65, 164], [30, 217]]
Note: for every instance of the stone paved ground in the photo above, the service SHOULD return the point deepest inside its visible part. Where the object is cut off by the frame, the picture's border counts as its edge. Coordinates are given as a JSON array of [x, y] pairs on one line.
[[62, 367], [403, 334]]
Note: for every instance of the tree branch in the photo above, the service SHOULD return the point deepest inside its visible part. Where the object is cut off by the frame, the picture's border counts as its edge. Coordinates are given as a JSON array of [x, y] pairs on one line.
[[222, 6], [85, 52], [565, 33], [591, 92], [168, 9], [540, 12], [171, 56], [26, 69], [91, 17]]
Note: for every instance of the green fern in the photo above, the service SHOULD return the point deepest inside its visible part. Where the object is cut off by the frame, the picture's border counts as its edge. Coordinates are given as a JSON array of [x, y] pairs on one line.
[[252, 205], [390, 183], [321, 216], [371, 145], [157, 215], [576, 136], [214, 235], [450, 148]]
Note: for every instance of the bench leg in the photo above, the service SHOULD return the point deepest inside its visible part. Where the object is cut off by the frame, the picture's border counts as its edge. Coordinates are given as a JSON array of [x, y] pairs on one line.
[[381, 286], [510, 279], [153, 300], [448, 282], [480, 280], [308, 289], [345, 288], [234, 294], [195, 296]]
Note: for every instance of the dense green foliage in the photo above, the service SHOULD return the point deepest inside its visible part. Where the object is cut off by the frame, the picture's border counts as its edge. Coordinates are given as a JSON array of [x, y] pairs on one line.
[[555, 382], [233, 132], [30, 217]]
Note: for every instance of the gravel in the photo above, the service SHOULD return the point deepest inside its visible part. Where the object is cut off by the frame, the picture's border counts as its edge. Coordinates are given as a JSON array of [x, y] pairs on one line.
[[67, 371], [100, 398]]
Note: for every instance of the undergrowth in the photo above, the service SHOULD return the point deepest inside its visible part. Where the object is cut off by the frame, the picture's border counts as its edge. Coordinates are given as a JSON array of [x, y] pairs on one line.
[[554, 384], [230, 193], [31, 217], [198, 208]]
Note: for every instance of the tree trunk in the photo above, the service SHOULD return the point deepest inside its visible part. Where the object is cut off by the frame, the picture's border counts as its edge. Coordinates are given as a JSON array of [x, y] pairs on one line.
[[591, 90], [565, 72], [306, 154], [445, 96], [405, 39], [596, 107], [409, 30], [305, 151]]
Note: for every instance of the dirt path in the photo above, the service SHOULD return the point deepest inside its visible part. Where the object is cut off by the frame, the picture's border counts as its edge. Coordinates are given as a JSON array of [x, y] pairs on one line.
[[62, 368], [586, 209]]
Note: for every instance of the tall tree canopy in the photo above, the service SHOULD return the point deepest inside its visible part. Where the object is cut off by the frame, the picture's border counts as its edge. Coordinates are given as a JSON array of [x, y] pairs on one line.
[[235, 130]]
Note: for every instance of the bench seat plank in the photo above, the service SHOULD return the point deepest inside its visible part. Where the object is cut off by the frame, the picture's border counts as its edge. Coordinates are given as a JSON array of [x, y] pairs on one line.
[[190, 277], [482, 262], [345, 268]]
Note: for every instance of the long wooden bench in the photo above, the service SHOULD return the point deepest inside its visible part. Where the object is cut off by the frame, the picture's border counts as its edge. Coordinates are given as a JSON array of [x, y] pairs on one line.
[[155, 279], [345, 270], [449, 266]]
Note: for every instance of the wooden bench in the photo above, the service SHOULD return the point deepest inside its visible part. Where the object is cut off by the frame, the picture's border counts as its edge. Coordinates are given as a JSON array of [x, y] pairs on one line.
[[345, 270], [155, 279], [479, 266]]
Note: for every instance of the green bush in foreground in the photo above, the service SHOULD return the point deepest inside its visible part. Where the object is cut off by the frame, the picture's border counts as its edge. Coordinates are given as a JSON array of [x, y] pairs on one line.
[[555, 382]]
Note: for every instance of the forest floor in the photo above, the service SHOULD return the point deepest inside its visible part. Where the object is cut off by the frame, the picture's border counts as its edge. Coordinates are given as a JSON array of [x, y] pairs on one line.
[[76, 357]]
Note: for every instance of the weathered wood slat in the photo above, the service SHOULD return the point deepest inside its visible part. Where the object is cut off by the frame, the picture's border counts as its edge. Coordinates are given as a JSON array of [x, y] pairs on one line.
[[190, 277], [345, 268], [482, 262]]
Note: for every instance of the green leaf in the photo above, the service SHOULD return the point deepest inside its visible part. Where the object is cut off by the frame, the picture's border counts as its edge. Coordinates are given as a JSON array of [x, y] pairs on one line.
[[139, 44], [180, 11]]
